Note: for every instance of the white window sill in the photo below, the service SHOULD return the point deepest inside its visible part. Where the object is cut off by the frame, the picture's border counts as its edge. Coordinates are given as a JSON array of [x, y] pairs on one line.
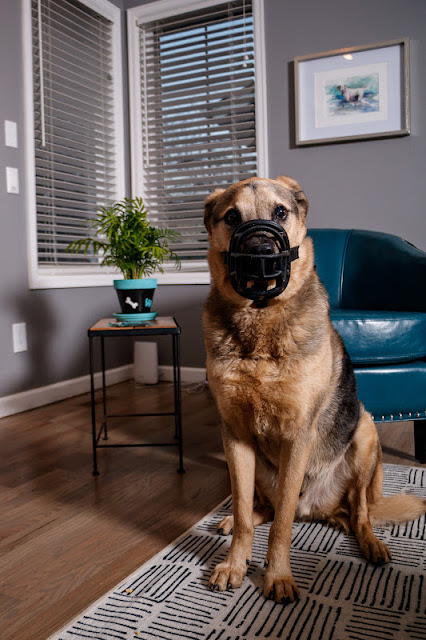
[[57, 278]]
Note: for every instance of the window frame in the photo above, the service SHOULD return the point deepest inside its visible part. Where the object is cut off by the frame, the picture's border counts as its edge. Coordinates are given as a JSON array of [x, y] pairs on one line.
[[57, 276], [197, 271]]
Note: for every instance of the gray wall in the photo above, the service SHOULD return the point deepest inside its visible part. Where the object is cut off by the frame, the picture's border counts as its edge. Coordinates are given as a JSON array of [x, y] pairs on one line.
[[374, 184], [377, 185]]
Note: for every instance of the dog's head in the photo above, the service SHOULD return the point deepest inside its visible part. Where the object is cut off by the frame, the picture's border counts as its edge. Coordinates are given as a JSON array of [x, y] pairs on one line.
[[280, 201]]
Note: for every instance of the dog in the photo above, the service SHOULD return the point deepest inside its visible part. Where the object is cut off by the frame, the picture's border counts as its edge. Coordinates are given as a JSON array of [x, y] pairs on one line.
[[298, 442], [352, 95]]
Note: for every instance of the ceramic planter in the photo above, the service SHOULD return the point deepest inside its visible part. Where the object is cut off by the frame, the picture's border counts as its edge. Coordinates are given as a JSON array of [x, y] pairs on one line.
[[135, 296]]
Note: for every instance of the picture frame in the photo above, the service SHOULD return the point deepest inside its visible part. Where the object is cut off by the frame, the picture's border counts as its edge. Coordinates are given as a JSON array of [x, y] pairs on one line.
[[355, 93]]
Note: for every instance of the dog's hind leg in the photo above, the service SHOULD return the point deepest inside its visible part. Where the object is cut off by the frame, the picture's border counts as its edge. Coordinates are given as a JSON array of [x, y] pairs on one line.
[[340, 520], [365, 487], [261, 514], [373, 549]]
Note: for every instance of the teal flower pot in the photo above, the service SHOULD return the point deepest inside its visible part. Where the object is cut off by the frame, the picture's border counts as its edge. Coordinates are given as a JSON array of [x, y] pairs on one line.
[[135, 296]]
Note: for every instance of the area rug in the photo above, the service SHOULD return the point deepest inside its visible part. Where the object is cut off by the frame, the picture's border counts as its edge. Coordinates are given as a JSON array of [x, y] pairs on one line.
[[343, 597]]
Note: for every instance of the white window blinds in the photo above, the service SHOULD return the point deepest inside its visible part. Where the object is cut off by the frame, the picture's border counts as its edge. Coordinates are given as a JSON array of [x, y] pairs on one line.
[[74, 124], [197, 92]]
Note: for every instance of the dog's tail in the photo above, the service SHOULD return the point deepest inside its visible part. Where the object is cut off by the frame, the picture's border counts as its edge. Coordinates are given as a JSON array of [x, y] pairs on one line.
[[396, 509]]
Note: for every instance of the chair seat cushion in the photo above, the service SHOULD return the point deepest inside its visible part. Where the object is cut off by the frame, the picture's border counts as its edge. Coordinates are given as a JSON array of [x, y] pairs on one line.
[[381, 337], [393, 390]]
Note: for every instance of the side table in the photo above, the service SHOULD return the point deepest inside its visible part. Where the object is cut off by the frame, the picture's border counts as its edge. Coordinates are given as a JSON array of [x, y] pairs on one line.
[[109, 328]]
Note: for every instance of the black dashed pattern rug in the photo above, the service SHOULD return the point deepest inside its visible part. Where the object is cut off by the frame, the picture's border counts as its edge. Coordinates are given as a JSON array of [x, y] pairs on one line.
[[343, 597]]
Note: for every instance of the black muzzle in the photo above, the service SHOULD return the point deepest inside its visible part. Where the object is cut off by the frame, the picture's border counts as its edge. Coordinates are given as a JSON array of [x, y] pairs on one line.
[[259, 260]]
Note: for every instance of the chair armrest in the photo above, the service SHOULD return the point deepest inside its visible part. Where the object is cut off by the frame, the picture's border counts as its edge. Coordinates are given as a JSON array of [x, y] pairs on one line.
[[383, 272]]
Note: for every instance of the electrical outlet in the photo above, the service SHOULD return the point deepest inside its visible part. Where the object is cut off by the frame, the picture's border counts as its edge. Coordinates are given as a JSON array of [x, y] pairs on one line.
[[19, 331]]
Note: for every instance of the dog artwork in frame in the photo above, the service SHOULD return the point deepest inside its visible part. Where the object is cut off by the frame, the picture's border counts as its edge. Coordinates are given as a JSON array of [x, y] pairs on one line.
[[356, 93], [298, 442]]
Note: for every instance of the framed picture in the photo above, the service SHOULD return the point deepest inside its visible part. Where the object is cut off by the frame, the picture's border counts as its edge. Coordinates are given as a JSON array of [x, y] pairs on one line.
[[353, 94]]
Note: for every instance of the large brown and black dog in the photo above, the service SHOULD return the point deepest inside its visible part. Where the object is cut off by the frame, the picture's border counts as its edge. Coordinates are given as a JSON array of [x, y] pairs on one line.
[[294, 431]]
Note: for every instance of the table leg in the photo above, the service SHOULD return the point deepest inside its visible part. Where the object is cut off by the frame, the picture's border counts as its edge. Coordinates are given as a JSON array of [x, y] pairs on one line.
[[178, 399], [175, 391], [104, 421], [92, 398]]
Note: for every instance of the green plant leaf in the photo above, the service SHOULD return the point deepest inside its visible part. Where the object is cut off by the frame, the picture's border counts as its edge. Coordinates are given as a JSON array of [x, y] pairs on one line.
[[125, 238]]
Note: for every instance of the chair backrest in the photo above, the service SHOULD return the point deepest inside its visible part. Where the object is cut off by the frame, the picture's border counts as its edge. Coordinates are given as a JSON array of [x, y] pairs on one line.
[[383, 271], [330, 249], [370, 270]]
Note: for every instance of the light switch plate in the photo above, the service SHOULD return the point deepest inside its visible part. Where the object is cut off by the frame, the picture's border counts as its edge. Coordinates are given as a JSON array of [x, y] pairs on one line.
[[19, 332], [10, 134], [12, 180]]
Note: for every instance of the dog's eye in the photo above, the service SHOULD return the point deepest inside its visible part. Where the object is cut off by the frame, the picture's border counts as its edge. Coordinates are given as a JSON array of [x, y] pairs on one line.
[[280, 212], [232, 217]]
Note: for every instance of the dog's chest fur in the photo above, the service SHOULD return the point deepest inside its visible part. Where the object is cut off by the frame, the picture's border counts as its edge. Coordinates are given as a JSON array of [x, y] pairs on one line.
[[257, 362]]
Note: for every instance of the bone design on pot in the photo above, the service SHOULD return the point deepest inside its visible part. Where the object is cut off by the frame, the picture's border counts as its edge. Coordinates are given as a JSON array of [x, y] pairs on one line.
[[129, 301]]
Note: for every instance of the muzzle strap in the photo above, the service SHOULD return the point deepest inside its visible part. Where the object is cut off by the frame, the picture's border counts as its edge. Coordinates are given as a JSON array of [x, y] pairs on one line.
[[294, 253]]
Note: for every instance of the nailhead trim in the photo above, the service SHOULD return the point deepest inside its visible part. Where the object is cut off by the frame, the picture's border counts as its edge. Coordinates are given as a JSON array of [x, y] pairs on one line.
[[400, 416]]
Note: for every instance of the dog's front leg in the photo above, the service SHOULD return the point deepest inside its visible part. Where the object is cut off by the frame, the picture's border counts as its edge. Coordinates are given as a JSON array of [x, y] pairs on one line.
[[279, 583], [240, 456]]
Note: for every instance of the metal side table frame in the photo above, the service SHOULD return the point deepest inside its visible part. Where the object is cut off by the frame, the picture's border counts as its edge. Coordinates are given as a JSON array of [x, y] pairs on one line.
[[107, 328]]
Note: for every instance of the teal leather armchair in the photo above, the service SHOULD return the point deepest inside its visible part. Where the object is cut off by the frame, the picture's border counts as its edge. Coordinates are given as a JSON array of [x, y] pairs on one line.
[[377, 288]]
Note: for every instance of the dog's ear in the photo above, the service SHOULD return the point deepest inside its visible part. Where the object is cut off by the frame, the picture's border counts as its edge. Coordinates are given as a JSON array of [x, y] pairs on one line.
[[301, 199], [209, 205]]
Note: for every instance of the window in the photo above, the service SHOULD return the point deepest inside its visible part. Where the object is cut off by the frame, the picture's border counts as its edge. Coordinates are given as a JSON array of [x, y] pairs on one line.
[[74, 132], [197, 113]]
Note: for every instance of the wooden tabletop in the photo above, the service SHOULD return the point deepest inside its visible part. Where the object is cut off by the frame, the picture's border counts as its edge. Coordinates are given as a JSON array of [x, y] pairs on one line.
[[112, 324]]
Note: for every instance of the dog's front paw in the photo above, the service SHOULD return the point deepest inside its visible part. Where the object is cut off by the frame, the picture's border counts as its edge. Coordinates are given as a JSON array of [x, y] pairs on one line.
[[282, 589], [227, 576]]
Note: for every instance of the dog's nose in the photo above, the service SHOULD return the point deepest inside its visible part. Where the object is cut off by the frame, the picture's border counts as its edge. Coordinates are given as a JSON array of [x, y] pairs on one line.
[[262, 249], [259, 246]]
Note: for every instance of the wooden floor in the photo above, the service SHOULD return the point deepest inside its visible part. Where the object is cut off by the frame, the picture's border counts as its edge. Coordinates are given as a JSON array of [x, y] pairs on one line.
[[66, 538]]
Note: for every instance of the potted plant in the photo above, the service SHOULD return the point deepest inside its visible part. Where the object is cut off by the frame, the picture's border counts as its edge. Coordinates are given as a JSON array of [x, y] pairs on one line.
[[123, 237]]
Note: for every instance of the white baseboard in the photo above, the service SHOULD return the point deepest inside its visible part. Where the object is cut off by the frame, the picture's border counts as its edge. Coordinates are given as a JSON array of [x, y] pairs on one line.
[[40, 396], [33, 398]]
